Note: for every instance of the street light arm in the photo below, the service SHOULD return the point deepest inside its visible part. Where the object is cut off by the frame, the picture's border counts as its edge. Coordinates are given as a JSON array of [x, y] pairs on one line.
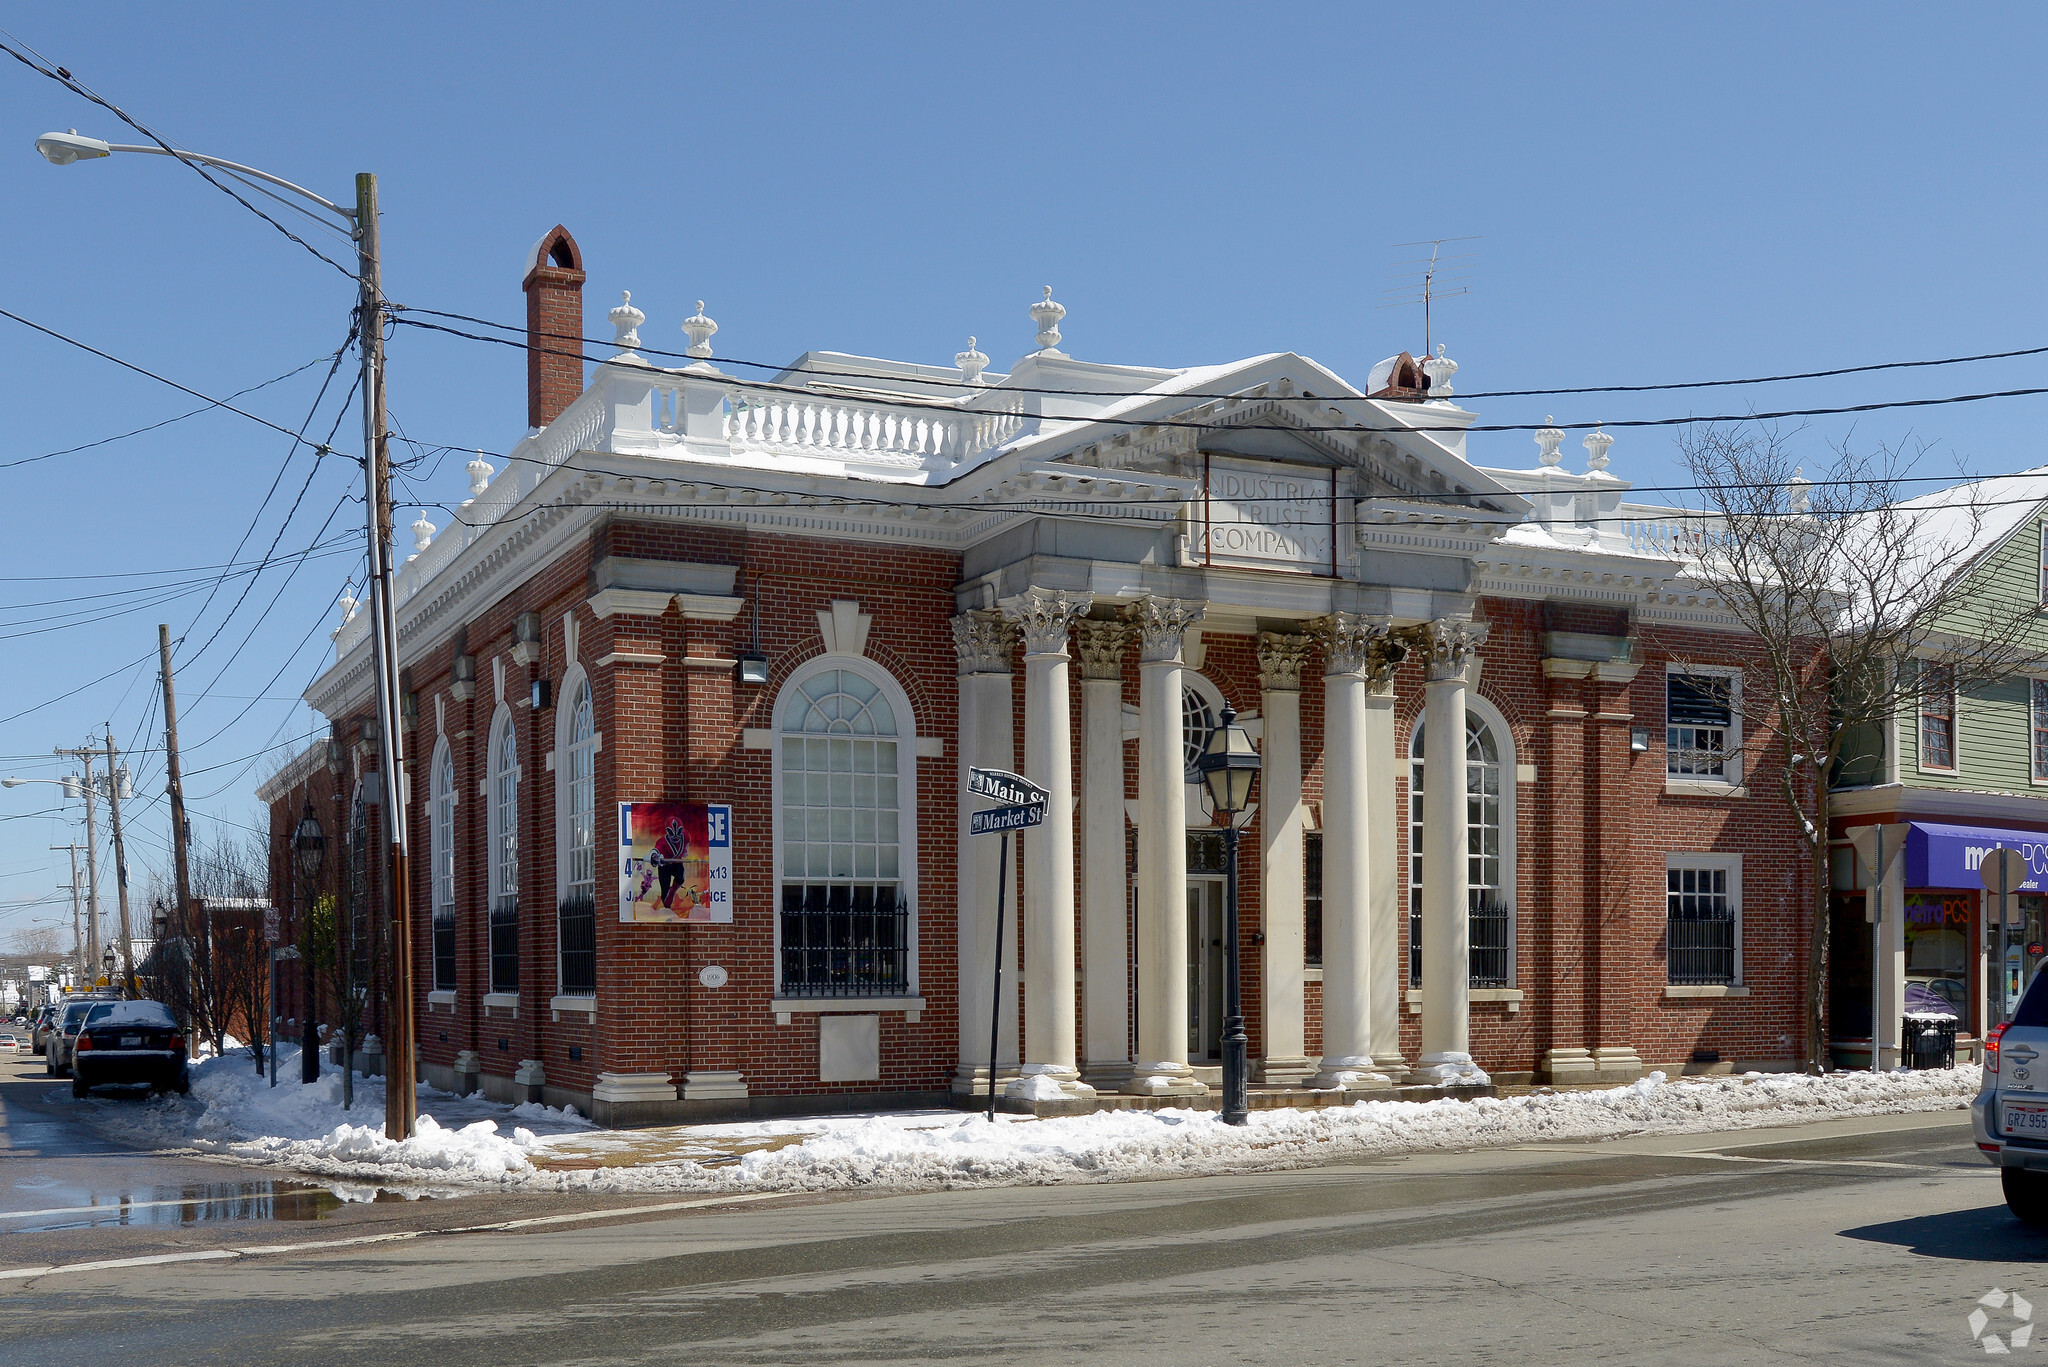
[[61, 149]]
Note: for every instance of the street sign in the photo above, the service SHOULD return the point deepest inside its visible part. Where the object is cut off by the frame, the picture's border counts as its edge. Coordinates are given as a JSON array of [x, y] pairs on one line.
[[2003, 870], [1000, 785], [1004, 819], [270, 925]]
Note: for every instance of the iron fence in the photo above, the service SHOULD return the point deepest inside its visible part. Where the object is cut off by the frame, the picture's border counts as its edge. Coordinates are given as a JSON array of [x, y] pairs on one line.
[[845, 940]]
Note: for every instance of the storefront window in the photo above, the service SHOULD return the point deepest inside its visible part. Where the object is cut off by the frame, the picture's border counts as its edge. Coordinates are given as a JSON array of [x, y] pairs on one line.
[[1938, 946], [2024, 941]]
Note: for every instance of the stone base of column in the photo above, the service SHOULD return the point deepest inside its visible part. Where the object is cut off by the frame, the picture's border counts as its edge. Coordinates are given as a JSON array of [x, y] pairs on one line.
[[1393, 1065], [531, 1075], [1047, 1082], [1107, 1075], [971, 1079], [1350, 1073], [1164, 1079], [1284, 1072], [1617, 1063], [1568, 1066], [1448, 1070], [714, 1086], [469, 1071]]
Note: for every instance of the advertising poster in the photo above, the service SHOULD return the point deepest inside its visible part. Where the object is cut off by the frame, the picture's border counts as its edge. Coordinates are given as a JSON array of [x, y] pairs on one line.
[[675, 862]]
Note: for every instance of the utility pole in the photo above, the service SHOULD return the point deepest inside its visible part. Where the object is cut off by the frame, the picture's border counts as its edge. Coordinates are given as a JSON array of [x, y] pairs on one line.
[[114, 776], [400, 1104], [177, 794], [77, 939], [92, 864]]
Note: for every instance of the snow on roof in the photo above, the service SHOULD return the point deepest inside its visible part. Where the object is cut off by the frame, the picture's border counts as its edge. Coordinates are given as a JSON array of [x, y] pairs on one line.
[[131, 1013], [1955, 527]]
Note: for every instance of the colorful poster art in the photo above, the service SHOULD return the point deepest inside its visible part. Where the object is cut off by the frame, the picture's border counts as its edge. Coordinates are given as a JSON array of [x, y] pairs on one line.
[[675, 862]]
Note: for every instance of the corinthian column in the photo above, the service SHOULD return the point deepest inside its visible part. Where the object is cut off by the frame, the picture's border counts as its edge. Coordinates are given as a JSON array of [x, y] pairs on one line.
[[1386, 914], [982, 641], [1281, 821], [1105, 940], [1043, 618], [1348, 643], [1446, 905], [1161, 1068]]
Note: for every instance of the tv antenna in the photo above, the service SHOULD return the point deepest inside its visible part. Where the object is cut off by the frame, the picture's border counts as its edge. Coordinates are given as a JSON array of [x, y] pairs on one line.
[[1440, 277]]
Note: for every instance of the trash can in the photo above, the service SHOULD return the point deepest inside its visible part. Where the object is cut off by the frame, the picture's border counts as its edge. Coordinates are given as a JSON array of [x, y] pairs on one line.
[[1928, 1042]]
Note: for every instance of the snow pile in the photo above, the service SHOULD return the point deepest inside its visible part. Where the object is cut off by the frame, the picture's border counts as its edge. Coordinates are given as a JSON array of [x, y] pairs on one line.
[[302, 1128], [235, 1112]]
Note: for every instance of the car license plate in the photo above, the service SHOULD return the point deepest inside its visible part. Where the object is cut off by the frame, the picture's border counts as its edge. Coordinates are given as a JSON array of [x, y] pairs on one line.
[[130, 1041], [2026, 1119]]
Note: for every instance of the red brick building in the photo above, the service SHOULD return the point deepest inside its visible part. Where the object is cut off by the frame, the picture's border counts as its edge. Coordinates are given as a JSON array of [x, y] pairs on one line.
[[817, 598]]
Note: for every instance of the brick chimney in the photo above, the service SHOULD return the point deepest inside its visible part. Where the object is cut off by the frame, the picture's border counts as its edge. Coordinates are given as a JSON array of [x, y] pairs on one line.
[[554, 326]]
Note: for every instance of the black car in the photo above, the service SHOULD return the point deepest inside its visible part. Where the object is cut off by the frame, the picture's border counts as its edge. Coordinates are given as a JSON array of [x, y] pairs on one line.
[[129, 1042]]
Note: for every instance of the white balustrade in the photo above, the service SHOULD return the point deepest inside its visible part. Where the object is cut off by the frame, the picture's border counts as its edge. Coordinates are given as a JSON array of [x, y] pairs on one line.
[[772, 420]]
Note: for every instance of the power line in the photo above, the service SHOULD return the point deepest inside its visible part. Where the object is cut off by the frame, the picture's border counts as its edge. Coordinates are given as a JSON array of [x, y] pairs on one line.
[[151, 374], [65, 79], [47, 702], [870, 377]]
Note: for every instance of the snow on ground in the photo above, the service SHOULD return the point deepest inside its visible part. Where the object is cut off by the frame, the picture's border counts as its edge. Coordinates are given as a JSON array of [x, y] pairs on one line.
[[459, 1141]]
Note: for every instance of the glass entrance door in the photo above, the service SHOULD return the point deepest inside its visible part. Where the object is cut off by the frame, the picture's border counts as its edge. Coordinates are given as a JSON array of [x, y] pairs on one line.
[[1205, 971]]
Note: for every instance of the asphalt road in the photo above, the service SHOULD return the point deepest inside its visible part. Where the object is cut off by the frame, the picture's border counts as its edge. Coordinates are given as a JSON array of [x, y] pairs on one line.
[[1862, 1241]]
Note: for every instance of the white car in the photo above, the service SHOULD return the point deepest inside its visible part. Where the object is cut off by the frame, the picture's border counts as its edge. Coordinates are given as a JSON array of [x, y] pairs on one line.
[[10, 1043], [2010, 1114]]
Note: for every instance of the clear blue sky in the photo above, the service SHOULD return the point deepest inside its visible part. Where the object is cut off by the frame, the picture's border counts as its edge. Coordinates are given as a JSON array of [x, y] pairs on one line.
[[1661, 193]]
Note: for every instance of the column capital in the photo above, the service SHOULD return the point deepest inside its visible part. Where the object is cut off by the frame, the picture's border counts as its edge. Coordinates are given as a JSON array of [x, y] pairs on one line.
[[1385, 657], [1349, 641], [981, 640], [1281, 656], [1101, 646], [1448, 645], [1044, 617], [1160, 623]]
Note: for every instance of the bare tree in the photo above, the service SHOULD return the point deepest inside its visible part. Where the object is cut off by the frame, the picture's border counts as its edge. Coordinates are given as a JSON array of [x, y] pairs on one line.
[[223, 982], [38, 942], [1856, 599]]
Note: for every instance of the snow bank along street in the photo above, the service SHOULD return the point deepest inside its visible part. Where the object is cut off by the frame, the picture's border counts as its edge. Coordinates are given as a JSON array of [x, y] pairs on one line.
[[474, 1144]]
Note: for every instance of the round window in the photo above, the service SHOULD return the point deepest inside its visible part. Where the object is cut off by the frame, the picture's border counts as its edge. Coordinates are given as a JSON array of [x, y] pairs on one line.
[[1196, 724]]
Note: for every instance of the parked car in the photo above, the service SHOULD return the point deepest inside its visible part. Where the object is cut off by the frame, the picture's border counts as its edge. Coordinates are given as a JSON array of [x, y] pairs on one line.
[[2010, 1113], [57, 1047], [39, 1027], [10, 1043], [129, 1042]]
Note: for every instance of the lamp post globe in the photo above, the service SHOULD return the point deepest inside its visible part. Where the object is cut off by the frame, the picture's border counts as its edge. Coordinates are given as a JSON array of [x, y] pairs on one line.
[[1230, 769], [309, 854]]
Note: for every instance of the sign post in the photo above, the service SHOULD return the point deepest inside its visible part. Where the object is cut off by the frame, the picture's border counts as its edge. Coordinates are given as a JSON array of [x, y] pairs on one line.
[[2003, 871], [1024, 807], [1878, 847]]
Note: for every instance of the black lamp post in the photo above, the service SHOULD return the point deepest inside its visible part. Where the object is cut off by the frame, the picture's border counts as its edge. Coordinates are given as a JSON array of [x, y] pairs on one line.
[[1230, 766], [107, 962], [309, 852]]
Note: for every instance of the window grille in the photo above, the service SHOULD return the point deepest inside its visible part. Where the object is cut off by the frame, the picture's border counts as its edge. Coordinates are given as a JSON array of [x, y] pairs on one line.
[[443, 829], [505, 944], [1312, 898], [1699, 925], [1490, 931], [505, 813], [576, 918], [845, 923], [1698, 716]]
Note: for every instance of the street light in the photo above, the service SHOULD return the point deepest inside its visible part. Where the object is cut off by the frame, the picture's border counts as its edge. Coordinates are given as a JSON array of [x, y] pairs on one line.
[[309, 852], [63, 149], [1230, 766]]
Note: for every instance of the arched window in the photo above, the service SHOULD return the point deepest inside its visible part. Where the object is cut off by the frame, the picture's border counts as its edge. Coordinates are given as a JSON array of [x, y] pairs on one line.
[[357, 950], [441, 837], [1197, 723], [1489, 846], [846, 821], [504, 854], [577, 926]]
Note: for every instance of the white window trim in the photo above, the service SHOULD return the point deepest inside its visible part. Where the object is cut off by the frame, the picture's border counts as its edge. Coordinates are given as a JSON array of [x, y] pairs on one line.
[[1955, 726], [1687, 859], [2041, 561], [1510, 867], [440, 845], [565, 713], [2032, 720], [501, 722], [1730, 784], [906, 806]]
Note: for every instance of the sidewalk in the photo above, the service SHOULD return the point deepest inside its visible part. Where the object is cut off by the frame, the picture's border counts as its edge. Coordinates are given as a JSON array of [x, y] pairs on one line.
[[469, 1143]]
